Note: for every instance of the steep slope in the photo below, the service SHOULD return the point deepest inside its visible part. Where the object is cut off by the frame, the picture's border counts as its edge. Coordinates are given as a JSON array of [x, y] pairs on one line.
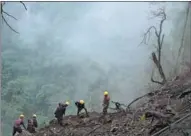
[[167, 106]]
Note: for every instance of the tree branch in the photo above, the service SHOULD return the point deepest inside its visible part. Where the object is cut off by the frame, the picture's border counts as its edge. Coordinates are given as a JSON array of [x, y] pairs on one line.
[[162, 14], [9, 15], [92, 130], [147, 34], [128, 106], [164, 129], [154, 81], [23, 5], [9, 25], [162, 40]]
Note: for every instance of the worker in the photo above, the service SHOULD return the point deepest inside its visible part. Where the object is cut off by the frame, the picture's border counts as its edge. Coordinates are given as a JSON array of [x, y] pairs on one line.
[[35, 123], [30, 126], [17, 125], [81, 105], [106, 101], [60, 111], [59, 104]]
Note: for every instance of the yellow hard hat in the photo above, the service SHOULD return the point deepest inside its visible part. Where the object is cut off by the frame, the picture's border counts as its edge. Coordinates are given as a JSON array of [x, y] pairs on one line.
[[106, 93], [21, 116], [34, 115], [81, 101], [67, 103]]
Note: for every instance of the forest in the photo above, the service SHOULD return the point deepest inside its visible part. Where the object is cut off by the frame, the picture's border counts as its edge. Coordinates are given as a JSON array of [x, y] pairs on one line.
[[58, 51]]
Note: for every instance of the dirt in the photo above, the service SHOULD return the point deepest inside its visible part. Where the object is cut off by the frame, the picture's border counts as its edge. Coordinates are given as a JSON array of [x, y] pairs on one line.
[[166, 109]]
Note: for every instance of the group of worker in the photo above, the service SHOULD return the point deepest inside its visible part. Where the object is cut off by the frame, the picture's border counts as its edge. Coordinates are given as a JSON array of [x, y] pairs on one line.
[[31, 126], [60, 111]]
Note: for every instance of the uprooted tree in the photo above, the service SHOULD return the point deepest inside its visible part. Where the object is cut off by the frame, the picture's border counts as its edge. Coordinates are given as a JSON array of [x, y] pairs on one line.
[[4, 13], [156, 56]]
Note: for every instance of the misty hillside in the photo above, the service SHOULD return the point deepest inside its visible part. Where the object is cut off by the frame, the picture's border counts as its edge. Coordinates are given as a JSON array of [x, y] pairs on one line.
[[58, 51], [170, 106]]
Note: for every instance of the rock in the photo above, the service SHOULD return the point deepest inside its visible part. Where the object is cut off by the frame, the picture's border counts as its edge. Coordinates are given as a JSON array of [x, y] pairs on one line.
[[114, 129], [54, 121], [86, 120]]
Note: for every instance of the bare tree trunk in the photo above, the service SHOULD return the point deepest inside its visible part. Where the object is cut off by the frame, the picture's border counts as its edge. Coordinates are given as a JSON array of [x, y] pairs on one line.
[[160, 70], [160, 38]]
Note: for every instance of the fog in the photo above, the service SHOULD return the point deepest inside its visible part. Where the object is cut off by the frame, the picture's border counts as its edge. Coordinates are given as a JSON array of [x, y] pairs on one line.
[[105, 34]]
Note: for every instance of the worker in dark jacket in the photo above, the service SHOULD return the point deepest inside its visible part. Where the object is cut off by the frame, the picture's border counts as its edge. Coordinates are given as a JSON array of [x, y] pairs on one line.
[[106, 101], [81, 105], [35, 123], [17, 125], [60, 111], [30, 126]]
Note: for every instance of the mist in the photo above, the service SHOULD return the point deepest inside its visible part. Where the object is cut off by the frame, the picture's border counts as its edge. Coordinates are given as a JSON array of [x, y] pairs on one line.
[[99, 39], [105, 33]]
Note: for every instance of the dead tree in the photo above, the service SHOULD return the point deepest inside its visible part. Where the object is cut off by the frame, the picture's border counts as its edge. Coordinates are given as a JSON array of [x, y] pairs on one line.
[[4, 13], [160, 13]]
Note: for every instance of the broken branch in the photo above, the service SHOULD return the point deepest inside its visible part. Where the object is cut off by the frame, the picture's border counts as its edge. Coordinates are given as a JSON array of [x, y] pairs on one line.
[[186, 92], [164, 129], [9, 25], [128, 106], [92, 130], [9, 15], [23, 5], [154, 81], [146, 36], [157, 115]]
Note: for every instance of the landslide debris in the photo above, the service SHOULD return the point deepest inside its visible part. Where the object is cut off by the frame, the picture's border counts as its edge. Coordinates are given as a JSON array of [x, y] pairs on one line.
[[167, 113]]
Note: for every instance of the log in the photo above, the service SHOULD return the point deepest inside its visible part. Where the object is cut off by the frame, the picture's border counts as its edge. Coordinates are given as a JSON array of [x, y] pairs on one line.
[[164, 129]]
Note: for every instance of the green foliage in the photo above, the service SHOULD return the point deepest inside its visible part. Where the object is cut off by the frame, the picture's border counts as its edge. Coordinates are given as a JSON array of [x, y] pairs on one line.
[[35, 78]]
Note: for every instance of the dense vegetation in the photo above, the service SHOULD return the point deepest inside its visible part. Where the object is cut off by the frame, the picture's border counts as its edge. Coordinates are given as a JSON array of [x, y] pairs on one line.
[[31, 78]]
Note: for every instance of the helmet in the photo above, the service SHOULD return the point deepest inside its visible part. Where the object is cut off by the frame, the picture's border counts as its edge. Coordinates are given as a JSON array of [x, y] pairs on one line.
[[34, 115], [21, 116], [105, 93], [67, 103], [81, 101]]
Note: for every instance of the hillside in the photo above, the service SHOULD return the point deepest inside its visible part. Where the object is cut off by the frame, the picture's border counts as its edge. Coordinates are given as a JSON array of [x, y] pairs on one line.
[[169, 105]]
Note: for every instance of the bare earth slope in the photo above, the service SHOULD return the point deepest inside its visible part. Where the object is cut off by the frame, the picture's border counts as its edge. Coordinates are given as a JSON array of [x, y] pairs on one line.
[[168, 109]]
